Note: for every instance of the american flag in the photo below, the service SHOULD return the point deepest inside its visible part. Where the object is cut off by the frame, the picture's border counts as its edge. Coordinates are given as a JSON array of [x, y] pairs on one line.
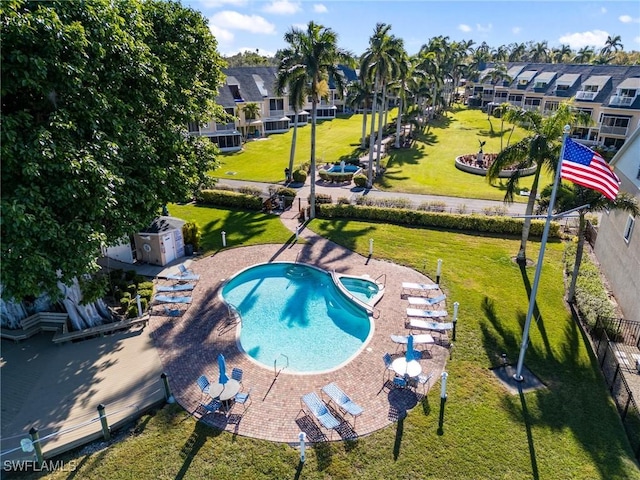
[[587, 168]]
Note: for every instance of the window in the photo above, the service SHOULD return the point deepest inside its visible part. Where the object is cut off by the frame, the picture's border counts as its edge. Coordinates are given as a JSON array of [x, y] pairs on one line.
[[562, 87], [628, 229], [276, 104]]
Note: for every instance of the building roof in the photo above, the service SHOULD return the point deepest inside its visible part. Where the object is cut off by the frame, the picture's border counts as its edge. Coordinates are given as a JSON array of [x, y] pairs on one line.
[[164, 224]]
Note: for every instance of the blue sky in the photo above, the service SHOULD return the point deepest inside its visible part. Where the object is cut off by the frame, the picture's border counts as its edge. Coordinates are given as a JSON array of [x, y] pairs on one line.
[[249, 24]]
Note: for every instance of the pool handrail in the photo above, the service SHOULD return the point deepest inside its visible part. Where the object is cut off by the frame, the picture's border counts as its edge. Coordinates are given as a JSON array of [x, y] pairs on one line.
[[384, 284]]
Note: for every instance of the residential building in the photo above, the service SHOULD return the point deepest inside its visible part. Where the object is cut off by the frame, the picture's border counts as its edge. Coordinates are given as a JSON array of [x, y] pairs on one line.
[[609, 94], [244, 86], [618, 241]]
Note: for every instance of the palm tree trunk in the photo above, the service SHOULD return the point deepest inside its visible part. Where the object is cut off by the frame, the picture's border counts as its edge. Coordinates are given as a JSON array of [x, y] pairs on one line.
[[576, 266], [363, 143], [509, 139], [433, 102], [312, 168], [399, 124], [292, 154], [521, 258], [501, 129], [372, 134], [380, 127]]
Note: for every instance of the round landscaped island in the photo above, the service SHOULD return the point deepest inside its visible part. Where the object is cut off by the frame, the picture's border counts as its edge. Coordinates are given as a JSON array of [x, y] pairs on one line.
[[479, 163]]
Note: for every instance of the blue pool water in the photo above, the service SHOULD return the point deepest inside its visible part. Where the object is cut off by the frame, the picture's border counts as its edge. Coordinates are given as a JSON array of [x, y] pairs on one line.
[[296, 311], [347, 169], [361, 288]]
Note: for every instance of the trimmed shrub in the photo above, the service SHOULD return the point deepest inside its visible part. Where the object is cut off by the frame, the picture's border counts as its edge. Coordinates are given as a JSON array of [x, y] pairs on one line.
[[445, 221], [132, 311], [249, 190], [284, 192], [433, 206], [344, 201], [222, 198], [384, 202], [299, 176], [360, 180], [145, 294], [146, 285], [191, 234], [132, 289], [321, 198], [124, 303]]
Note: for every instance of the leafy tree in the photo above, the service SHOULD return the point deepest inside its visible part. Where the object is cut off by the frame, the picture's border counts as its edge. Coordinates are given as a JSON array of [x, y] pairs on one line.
[[540, 148], [571, 196], [96, 97], [249, 58]]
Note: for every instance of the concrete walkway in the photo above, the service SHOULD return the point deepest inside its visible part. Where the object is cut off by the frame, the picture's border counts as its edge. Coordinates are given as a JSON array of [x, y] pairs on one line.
[[453, 204]]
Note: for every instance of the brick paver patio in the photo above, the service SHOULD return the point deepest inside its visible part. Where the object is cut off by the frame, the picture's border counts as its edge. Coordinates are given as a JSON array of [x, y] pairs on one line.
[[189, 346]]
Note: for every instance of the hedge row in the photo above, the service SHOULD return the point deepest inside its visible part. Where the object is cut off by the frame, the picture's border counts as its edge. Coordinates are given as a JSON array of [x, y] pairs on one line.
[[222, 198], [591, 297], [447, 221]]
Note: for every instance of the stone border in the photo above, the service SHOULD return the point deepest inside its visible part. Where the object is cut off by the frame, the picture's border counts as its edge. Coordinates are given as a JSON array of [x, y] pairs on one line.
[[525, 172]]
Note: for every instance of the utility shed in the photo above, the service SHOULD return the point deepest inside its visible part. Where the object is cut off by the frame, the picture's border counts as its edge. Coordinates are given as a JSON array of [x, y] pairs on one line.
[[161, 242]]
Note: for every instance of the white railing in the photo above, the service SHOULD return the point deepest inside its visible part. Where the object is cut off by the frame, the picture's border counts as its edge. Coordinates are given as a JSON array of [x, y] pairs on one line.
[[613, 130], [584, 95], [621, 101]]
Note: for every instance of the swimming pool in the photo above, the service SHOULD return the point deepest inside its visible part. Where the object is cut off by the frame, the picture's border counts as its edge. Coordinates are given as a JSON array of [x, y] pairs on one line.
[[295, 313]]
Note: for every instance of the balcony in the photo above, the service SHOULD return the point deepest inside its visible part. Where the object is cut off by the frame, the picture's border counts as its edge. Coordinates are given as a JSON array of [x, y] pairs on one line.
[[584, 95], [621, 101], [276, 113], [622, 131], [224, 127], [531, 108]]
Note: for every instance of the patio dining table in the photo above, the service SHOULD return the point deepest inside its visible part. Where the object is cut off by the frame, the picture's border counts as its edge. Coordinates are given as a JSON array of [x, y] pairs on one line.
[[402, 367], [224, 391]]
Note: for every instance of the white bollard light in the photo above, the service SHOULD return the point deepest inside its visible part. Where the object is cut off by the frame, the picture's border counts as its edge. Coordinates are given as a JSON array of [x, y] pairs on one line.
[[443, 386], [456, 305], [370, 246], [302, 437], [224, 238]]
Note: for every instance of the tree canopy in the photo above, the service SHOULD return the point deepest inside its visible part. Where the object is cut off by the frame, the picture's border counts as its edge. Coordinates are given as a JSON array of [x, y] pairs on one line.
[[96, 98]]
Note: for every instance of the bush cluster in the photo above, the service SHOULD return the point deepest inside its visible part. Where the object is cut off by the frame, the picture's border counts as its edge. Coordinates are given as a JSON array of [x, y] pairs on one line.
[[125, 286], [323, 198], [360, 180], [222, 198], [446, 221], [433, 206], [299, 176], [335, 177], [591, 297], [384, 202]]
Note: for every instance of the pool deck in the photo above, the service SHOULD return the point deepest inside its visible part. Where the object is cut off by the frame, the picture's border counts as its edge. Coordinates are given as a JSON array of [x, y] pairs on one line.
[[189, 346]]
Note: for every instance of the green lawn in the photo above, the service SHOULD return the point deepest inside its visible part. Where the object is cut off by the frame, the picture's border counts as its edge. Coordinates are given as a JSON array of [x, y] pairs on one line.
[[428, 167], [569, 430]]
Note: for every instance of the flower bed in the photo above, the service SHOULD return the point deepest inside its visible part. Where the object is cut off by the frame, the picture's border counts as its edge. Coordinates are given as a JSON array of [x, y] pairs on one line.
[[479, 166]]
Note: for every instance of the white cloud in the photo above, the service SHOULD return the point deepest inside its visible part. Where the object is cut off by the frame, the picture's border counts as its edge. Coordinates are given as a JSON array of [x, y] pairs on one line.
[[516, 30], [483, 29], [236, 21], [319, 8], [282, 7], [603, 10], [628, 19], [464, 28], [300, 26], [222, 35], [594, 38]]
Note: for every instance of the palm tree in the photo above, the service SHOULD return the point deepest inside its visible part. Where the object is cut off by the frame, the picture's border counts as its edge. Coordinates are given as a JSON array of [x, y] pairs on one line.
[[584, 55], [612, 43], [539, 52], [378, 63], [359, 96], [503, 110], [294, 81], [558, 55], [540, 148], [251, 112], [574, 196], [518, 51], [315, 56]]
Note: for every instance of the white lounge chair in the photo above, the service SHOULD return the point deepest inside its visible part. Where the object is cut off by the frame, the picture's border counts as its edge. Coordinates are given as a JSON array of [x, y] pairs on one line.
[[426, 325], [170, 299], [342, 401], [417, 312], [184, 287], [427, 301], [319, 410], [419, 287]]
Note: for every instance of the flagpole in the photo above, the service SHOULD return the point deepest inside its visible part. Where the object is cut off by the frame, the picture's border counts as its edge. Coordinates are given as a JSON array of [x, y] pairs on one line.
[[543, 245]]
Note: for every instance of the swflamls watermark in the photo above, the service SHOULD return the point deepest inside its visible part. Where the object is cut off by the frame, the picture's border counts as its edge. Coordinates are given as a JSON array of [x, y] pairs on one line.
[[45, 466]]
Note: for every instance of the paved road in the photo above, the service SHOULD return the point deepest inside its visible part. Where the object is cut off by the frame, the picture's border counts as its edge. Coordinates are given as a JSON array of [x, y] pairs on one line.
[[453, 204]]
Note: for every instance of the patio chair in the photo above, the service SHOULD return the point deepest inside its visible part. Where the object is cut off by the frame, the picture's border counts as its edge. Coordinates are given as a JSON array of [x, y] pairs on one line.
[[213, 406], [319, 410], [180, 287], [243, 398], [172, 312], [170, 299], [386, 358], [400, 382], [425, 325], [342, 401], [236, 374], [424, 379], [203, 384], [427, 301]]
